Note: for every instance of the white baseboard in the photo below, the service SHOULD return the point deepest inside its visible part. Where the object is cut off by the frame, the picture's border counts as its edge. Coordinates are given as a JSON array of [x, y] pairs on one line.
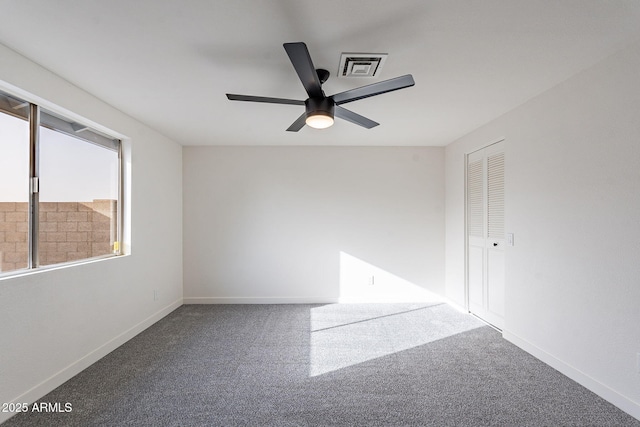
[[302, 300], [260, 300], [624, 403], [388, 300], [89, 359]]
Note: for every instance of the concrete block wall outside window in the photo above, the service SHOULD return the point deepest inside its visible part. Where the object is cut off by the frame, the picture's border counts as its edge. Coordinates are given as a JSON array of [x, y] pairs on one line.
[[69, 231]]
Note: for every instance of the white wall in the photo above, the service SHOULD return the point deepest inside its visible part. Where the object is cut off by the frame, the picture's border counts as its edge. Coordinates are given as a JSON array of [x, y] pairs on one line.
[[573, 202], [289, 224], [55, 323]]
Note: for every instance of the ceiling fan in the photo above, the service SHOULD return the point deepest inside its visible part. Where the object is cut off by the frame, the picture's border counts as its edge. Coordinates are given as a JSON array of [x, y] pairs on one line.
[[319, 108]]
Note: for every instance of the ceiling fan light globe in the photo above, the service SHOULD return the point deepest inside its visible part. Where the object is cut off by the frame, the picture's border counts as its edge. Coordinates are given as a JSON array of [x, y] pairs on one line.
[[319, 121]]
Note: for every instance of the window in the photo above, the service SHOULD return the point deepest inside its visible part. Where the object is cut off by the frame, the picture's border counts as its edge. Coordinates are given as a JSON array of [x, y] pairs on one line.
[[59, 188]]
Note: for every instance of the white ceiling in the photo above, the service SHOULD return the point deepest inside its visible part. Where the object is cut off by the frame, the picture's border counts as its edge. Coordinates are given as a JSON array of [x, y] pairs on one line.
[[169, 63]]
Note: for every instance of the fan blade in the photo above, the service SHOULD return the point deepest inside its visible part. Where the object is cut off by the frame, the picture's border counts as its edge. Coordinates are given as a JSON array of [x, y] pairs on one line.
[[373, 89], [234, 97], [352, 117], [298, 124], [301, 60]]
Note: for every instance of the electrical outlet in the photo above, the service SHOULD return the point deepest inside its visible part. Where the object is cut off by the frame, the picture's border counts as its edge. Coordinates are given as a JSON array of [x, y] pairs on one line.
[[155, 295], [372, 280]]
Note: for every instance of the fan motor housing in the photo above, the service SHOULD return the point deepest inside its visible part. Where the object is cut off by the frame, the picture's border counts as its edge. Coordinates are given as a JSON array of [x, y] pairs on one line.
[[319, 106]]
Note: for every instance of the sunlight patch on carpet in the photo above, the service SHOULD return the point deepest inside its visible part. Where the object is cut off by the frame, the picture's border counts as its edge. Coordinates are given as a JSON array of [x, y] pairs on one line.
[[344, 335]]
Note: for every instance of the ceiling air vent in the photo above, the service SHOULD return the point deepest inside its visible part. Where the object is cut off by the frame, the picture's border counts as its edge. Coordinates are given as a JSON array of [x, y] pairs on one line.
[[361, 64]]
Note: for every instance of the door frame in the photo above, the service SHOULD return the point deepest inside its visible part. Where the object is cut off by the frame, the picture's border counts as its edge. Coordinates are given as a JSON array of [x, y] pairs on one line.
[[466, 223]]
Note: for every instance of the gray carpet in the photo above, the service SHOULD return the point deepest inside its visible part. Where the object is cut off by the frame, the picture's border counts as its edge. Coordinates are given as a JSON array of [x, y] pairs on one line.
[[322, 365]]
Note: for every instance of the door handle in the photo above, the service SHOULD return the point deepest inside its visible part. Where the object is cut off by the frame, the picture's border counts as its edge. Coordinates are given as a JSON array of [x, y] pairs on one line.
[[495, 244]]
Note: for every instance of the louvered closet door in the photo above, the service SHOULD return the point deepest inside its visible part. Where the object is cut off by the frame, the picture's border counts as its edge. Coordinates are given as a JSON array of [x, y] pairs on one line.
[[486, 233]]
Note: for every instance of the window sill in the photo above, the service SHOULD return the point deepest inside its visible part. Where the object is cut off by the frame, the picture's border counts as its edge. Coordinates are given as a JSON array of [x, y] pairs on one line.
[[27, 272]]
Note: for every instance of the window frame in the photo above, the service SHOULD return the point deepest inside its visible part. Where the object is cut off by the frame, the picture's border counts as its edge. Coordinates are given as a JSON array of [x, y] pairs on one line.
[[61, 122]]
